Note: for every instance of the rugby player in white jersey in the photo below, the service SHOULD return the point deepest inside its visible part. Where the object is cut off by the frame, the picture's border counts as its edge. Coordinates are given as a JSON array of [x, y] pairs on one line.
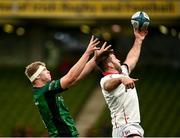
[[119, 89]]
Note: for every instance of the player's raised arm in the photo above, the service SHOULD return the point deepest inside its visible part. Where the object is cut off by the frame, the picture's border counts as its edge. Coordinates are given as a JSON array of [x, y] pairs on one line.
[[134, 53], [69, 79], [91, 63]]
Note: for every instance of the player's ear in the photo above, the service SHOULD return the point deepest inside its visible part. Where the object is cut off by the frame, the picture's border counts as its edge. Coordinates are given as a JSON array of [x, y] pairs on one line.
[[38, 77]]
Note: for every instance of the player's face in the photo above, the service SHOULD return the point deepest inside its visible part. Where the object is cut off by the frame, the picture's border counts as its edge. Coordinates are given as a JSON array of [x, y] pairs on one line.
[[45, 75], [115, 62]]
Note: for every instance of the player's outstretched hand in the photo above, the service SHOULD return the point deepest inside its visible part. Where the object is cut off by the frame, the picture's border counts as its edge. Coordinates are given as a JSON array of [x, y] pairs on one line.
[[140, 34], [92, 45], [102, 50], [129, 83]]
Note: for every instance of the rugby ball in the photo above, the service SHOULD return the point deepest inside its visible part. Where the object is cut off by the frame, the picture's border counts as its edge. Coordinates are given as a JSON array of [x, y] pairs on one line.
[[140, 20]]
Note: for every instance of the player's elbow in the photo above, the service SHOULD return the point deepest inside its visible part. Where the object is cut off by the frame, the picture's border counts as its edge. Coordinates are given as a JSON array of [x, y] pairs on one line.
[[109, 88]]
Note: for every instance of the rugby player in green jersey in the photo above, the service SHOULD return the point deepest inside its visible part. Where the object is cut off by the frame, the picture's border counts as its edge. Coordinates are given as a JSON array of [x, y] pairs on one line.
[[51, 106]]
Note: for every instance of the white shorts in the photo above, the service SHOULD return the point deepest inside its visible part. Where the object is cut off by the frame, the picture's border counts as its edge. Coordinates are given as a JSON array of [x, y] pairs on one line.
[[127, 130]]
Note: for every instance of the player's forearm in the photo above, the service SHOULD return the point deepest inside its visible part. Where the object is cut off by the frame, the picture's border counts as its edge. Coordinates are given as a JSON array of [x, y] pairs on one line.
[[87, 69], [112, 84], [75, 71], [134, 53]]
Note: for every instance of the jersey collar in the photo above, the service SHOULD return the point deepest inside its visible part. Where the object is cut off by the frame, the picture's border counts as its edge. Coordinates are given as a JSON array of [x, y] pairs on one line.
[[109, 73]]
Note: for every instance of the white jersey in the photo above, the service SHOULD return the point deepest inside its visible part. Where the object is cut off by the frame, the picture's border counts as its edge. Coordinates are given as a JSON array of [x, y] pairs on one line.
[[123, 105]]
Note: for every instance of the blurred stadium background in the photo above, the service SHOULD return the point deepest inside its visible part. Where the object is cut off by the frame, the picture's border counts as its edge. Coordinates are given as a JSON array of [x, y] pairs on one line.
[[58, 31]]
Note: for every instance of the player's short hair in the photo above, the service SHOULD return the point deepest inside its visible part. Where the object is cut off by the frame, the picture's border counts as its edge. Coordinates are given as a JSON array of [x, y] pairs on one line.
[[33, 67], [101, 61]]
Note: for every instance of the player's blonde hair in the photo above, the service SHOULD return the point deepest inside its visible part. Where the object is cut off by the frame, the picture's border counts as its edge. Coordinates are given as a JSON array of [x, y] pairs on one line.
[[33, 67]]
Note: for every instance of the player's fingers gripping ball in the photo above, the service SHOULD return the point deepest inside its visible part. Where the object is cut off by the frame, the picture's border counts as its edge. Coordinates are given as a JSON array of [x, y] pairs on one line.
[[140, 20]]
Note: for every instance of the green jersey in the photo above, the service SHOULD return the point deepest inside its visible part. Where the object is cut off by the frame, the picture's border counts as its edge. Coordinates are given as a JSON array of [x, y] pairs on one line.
[[53, 111]]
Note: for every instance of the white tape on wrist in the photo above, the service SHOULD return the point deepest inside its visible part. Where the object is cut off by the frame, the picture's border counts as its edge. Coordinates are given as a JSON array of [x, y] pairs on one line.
[[34, 76]]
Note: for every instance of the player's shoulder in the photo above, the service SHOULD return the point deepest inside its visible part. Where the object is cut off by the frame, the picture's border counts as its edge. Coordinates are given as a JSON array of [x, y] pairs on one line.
[[108, 77]]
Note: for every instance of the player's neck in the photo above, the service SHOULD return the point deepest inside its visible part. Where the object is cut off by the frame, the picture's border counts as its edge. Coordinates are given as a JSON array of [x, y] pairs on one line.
[[38, 84], [110, 71]]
